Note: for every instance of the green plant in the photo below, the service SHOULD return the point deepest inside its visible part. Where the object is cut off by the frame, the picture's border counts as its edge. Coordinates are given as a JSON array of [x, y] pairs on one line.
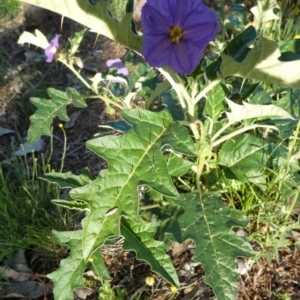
[[107, 293], [117, 8], [9, 8], [286, 24], [219, 125], [27, 214], [280, 296]]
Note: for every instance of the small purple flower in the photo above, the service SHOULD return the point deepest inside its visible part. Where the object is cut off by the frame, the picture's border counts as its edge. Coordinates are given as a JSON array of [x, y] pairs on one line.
[[176, 33], [117, 63], [52, 49]]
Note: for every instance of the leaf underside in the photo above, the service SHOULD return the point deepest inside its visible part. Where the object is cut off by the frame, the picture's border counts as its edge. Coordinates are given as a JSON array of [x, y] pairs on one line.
[[95, 17], [262, 63]]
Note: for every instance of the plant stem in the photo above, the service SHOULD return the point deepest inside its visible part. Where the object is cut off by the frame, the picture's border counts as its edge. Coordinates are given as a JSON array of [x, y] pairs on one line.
[[177, 85], [65, 148], [209, 87], [200, 163], [200, 167], [221, 130], [243, 129], [107, 100], [77, 74], [104, 98]]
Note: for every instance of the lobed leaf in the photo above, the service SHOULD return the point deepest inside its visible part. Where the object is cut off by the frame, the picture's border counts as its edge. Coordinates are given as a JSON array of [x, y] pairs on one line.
[[249, 111], [139, 237], [47, 109], [76, 41], [245, 156], [68, 180], [208, 222], [70, 204], [69, 274], [214, 105], [262, 63], [264, 12], [38, 39], [176, 165], [95, 17], [134, 159], [238, 48]]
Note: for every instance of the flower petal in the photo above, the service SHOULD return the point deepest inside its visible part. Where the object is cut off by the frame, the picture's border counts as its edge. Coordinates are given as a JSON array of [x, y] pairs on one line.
[[156, 50], [117, 63], [51, 49], [154, 19], [203, 33], [185, 57], [54, 42], [199, 25], [183, 10]]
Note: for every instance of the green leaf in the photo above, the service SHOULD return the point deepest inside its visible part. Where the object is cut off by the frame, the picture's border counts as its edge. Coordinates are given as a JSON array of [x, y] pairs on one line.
[[289, 100], [208, 222], [141, 74], [70, 204], [166, 216], [118, 125], [236, 17], [139, 237], [264, 12], [245, 156], [177, 166], [290, 50], [249, 111], [169, 101], [69, 274], [238, 48], [262, 64], [260, 96], [159, 89], [76, 98], [129, 6], [215, 103], [76, 40], [68, 180], [95, 17], [289, 56], [41, 120], [98, 266], [134, 159], [290, 46]]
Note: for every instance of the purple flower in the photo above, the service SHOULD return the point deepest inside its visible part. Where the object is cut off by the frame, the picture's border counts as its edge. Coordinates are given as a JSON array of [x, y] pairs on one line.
[[117, 63], [51, 49], [176, 32]]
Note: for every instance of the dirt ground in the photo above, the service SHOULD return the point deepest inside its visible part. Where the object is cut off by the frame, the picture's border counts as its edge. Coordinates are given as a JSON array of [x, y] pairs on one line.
[[24, 74]]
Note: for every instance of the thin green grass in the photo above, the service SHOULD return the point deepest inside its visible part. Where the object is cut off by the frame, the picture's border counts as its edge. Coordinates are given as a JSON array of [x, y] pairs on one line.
[[270, 209], [27, 215], [9, 9], [288, 24]]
